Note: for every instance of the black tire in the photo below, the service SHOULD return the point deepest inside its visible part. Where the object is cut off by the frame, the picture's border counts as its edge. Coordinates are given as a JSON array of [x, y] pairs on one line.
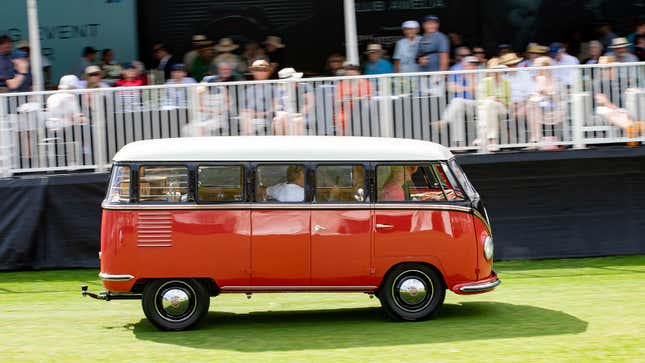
[[402, 296], [175, 304]]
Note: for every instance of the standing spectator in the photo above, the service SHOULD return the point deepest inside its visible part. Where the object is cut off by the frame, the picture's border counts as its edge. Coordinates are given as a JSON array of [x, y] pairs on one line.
[[202, 63], [88, 57], [640, 47], [21, 81], [595, 51], [93, 75], [165, 59], [504, 49], [375, 62], [405, 51], [131, 77], [252, 51], [258, 111], [606, 34], [225, 48], [189, 58], [639, 25], [620, 51], [275, 52], [6, 65], [23, 45], [460, 54], [334, 65], [558, 53], [533, 51], [349, 94], [109, 65], [480, 53], [224, 72], [434, 47]]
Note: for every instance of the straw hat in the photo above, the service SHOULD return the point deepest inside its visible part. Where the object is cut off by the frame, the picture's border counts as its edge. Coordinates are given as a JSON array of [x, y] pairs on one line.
[[289, 73], [69, 81], [619, 43], [226, 45], [275, 41], [374, 47], [92, 69], [537, 49], [494, 63], [606, 59], [199, 39], [542, 61], [510, 59], [260, 65]]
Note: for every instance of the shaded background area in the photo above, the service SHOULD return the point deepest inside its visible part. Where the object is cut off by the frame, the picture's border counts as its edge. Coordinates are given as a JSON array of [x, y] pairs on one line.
[[575, 203]]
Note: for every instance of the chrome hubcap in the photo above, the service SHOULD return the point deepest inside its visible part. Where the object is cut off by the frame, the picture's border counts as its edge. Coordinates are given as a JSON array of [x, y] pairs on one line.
[[175, 302], [412, 291]]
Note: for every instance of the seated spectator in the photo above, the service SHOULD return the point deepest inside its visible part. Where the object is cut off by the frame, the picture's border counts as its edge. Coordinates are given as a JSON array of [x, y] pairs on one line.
[[179, 75], [257, 114], [558, 53], [480, 53], [130, 77], [224, 49], [533, 51], [224, 72], [46, 65], [93, 78], [177, 96], [494, 98], [292, 116], [640, 47], [291, 191], [110, 67], [620, 51], [546, 105], [63, 109], [334, 65], [405, 51], [595, 51], [349, 94], [274, 50], [88, 58], [141, 72], [375, 62], [21, 81], [463, 105], [460, 54]]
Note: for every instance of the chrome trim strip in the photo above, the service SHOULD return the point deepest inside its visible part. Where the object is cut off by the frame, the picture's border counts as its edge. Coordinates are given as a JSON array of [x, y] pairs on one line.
[[297, 288], [265, 206], [108, 277], [484, 221], [480, 287]]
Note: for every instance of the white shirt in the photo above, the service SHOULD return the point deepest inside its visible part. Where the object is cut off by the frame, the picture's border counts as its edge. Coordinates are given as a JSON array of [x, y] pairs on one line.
[[284, 192], [565, 76], [61, 109], [522, 85]]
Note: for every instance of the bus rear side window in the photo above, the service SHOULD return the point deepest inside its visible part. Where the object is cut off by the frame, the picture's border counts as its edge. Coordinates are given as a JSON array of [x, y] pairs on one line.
[[163, 184], [220, 183], [119, 191]]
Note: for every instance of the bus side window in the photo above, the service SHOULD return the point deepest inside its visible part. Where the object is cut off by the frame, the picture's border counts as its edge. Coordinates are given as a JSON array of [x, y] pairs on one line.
[[163, 184], [280, 183], [119, 191], [340, 183], [448, 182], [220, 183], [407, 183]]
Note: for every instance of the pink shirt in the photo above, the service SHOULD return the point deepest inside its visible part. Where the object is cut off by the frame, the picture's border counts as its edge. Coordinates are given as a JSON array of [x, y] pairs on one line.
[[392, 192]]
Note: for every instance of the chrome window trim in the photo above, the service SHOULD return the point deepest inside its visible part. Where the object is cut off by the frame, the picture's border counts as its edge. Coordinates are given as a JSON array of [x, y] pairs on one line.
[[109, 277]]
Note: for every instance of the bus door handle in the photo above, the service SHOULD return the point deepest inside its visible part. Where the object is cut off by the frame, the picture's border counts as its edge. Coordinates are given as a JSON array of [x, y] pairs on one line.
[[384, 226], [319, 228]]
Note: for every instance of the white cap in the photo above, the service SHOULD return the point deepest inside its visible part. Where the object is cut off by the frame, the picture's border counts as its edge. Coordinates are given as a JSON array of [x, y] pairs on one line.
[[289, 73], [69, 81], [410, 24]]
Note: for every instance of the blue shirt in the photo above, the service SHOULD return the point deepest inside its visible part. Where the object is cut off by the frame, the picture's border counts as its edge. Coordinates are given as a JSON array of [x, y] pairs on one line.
[[379, 67], [405, 52], [431, 46], [6, 69], [457, 66], [463, 80]]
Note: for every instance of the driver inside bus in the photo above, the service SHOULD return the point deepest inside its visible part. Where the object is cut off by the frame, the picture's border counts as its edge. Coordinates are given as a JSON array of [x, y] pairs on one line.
[[291, 191]]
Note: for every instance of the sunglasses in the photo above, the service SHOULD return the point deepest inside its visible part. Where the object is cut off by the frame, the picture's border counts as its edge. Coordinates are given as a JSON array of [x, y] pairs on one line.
[[94, 74]]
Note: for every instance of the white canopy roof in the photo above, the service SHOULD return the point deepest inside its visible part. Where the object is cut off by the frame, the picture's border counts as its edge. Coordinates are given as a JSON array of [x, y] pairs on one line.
[[282, 148]]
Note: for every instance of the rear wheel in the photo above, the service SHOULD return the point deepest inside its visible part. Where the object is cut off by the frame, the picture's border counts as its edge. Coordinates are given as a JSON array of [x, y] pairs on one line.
[[175, 304], [412, 292]]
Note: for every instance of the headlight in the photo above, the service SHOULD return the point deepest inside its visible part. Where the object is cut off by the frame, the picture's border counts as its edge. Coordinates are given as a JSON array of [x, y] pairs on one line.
[[488, 248]]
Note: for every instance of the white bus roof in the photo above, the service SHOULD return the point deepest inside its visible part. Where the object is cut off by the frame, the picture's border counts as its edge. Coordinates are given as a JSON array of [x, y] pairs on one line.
[[282, 148]]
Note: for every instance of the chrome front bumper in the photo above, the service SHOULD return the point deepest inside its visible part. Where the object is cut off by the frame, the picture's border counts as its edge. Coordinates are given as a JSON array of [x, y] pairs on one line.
[[108, 277], [480, 287]]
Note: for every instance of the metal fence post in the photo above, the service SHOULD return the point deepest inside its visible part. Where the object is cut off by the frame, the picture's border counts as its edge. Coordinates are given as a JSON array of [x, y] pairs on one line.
[[98, 130], [483, 114], [578, 119], [385, 106], [5, 140]]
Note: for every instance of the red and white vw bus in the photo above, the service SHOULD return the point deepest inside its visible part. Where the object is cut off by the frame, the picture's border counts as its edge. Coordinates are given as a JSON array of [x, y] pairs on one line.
[[191, 218]]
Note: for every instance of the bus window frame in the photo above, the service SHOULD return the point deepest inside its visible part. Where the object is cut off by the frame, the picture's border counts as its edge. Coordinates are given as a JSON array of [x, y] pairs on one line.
[[244, 185], [366, 174], [189, 179], [254, 171]]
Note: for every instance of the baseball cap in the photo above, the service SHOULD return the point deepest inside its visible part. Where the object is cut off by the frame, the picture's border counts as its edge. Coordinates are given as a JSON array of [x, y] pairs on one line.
[[471, 59], [410, 24], [555, 48], [18, 54], [178, 67], [430, 18], [92, 69]]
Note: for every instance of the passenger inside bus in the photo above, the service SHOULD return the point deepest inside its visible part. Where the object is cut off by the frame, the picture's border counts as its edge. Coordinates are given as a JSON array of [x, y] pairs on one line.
[[393, 187], [291, 191]]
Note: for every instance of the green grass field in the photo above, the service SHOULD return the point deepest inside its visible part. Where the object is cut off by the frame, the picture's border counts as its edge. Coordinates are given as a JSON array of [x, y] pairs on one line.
[[580, 310]]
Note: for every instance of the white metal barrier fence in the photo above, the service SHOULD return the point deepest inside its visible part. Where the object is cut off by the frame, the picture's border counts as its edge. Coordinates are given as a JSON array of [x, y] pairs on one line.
[[478, 110]]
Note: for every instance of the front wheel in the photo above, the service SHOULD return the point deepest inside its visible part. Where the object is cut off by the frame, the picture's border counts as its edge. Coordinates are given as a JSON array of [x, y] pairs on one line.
[[175, 304], [412, 292]]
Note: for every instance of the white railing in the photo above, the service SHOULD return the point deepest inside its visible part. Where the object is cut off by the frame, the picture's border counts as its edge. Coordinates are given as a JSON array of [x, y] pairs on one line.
[[479, 110]]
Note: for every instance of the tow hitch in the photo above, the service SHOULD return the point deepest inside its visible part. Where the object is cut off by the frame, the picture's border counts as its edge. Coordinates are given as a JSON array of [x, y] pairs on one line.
[[107, 295]]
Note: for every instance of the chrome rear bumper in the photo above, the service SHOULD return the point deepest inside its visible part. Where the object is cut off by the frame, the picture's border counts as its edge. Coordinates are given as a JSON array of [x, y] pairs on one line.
[[108, 277]]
